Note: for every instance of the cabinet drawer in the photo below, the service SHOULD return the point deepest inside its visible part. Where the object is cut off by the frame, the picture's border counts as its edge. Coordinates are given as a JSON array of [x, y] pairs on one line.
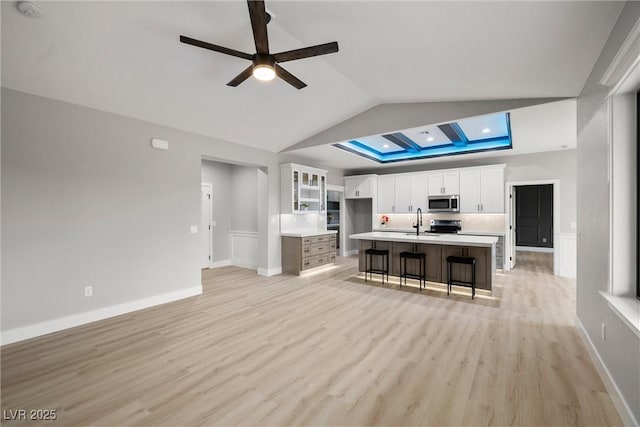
[[332, 256], [306, 250], [332, 244], [306, 240], [306, 263], [319, 248], [319, 260], [319, 239]]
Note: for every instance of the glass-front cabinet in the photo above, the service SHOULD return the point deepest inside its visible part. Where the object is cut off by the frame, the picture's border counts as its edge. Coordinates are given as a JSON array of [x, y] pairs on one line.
[[303, 189]]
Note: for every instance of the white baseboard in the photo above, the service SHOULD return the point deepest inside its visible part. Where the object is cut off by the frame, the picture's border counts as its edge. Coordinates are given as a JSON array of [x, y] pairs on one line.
[[614, 392], [245, 263], [217, 264], [47, 327], [352, 252], [269, 271]]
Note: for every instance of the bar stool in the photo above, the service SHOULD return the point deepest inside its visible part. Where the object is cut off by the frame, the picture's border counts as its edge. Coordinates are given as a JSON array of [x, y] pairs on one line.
[[422, 263], [465, 260], [368, 263]]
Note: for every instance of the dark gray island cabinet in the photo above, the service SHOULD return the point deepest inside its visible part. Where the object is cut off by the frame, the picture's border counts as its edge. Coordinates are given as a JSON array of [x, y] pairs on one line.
[[436, 249]]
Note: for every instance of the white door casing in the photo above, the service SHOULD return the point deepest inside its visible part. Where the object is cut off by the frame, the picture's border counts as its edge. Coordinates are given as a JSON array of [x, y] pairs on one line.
[[206, 220], [512, 227]]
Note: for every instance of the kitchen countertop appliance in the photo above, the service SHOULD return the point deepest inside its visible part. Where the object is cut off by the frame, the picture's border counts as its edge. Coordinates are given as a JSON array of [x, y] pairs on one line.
[[443, 226]]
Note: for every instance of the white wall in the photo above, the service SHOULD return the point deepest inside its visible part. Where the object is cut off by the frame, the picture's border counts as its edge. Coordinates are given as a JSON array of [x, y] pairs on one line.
[[87, 201], [620, 352], [244, 198]]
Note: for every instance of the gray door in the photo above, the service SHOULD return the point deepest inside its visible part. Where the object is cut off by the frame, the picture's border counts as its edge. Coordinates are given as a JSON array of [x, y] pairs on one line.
[[534, 215]]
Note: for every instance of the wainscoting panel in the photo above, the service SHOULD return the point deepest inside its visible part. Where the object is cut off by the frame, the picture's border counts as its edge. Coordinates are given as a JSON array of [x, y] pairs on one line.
[[244, 249], [566, 254]]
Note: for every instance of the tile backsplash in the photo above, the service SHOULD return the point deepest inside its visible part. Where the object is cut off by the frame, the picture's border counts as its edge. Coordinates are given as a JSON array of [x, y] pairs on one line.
[[294, 223], [470, 222]]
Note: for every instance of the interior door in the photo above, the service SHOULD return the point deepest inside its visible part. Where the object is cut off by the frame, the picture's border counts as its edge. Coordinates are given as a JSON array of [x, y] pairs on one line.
[[512, 228], [206, 219], [534, 216]]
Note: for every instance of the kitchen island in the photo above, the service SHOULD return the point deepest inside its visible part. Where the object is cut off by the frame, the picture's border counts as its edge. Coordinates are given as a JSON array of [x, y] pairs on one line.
[[436, 247]]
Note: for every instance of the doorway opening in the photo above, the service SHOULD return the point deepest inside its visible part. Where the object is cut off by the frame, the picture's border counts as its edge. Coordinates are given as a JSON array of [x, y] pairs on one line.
[[231, 201], [532, 220], [335, 220]]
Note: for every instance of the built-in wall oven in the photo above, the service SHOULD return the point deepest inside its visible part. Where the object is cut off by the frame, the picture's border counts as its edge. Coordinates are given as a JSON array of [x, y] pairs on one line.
[[449, 203]]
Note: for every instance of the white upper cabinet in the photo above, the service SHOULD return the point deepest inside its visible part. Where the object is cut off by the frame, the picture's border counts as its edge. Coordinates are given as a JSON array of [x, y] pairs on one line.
[[303, 189], [492, 190], [359, 187], [482, 190], [386, 193], [469, 191], [419, 192], [402, 193], [443, 182]]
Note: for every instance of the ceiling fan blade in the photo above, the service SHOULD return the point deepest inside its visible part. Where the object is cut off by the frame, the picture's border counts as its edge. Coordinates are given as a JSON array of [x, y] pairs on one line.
[[289, 78], [215, 48], [258, 17], [241, 77], [306, 52]]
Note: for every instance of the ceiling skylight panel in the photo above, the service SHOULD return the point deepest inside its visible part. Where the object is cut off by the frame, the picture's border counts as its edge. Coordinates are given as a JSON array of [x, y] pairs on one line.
[[485, 127]]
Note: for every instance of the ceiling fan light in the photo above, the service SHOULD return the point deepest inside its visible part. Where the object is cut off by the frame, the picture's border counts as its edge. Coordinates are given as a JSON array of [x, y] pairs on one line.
[[264, 72]]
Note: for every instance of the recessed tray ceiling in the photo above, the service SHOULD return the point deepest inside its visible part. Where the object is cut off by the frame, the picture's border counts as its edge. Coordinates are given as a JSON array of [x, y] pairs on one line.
[[470, 135]]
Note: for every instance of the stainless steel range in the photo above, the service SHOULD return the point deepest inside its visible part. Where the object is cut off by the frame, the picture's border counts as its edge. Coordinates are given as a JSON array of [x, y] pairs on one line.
[[442, 226]]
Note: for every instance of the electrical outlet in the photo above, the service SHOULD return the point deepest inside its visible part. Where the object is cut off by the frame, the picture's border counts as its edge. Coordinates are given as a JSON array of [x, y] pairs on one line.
[[604, 332], [88, 291]]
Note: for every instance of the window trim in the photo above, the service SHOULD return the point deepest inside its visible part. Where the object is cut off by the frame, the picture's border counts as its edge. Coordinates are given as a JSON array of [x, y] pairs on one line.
[[623, 78]]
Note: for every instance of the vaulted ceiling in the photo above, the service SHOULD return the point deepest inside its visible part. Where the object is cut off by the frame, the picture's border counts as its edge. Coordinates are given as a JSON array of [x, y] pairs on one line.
[[125, 58]]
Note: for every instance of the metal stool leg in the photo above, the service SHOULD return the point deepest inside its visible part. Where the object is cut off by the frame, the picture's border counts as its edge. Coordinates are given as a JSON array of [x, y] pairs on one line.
[[448, 278], [387, 256], [473, 280], [366, 265]]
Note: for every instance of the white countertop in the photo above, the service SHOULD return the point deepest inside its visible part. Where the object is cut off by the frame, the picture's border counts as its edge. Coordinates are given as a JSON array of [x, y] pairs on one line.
[[465, 232], [482, 233], [440, 239], [308, 233]]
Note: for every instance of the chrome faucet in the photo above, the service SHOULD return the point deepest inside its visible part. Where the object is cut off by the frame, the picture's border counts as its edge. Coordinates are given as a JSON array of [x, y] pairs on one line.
[[418, 221]]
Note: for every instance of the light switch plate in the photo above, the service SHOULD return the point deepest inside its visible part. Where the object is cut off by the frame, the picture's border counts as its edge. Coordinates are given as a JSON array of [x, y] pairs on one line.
[[194, 229]]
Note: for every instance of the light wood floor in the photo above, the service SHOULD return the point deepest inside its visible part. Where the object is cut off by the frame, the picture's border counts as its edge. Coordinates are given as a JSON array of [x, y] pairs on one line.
[[328, 349]]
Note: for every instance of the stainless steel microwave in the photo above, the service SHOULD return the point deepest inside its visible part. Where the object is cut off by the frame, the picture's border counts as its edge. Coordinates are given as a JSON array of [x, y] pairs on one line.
[[444, 203]]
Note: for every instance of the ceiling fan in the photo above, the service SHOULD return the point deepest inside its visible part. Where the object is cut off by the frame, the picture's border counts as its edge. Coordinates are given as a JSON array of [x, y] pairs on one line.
[[265, 65]]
